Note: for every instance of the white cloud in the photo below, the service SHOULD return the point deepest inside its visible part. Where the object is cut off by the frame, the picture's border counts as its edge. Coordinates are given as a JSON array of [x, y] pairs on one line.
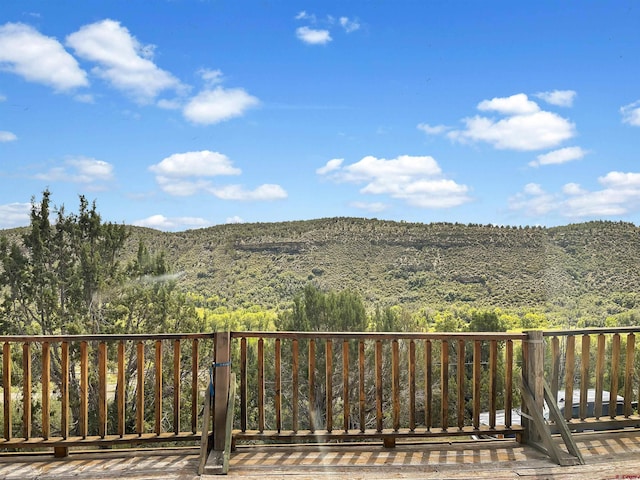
[[303, 15], [416, 180], [3, 98], [313, 36], [563, 155], [211, 77], [38, 58], [87, 171], [369, 206], [161, 222], [165, 104], [181, 188], [234, 219], [264, 192], [217, 105], [433, 130], [526, 127], [619, 195], [561, 98], [195, 164], [330, 166], [517, 104], [122, 60], [349, 25], [15, 215], [631, 114], [7, 136], [84, 98]]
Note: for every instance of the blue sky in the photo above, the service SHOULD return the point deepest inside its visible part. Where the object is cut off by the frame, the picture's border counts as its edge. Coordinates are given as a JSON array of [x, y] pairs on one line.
[[184, 114]]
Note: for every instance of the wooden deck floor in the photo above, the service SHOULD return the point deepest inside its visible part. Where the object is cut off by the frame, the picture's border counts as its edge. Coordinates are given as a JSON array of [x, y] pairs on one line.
[[608, 456]]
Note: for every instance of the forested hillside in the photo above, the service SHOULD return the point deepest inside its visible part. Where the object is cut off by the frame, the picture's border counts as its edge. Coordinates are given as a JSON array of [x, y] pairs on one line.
[[581, 269], [583, 272]]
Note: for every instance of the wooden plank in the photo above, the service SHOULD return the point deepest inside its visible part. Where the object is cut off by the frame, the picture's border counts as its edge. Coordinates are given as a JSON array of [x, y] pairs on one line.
[[508, 383], [312, 384], [120, 389], [460, 374], [361, 385], [412, 385], [615, 370], [26, 390], [477, 381], [555, 365], [628, 375], [140, 388], [195, 395], [345, 385], [493, 381], [6, 387], [102, 389], [157, 390], [64, 391], [569, 368], [46, 383], [395, 383], [177, 385], [378, 366], [278, 384], [261, 419], [600, 377], [584, 376], [428, 384], [444, 384], [554, 413], [206, 426], [243, 384], [222, 379], [329, 384], [295, 383], [528, 397], [84, 389]]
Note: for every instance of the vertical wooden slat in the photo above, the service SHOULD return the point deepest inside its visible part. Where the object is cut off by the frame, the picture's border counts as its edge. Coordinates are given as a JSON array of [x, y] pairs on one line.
[[628, 376], [46, 380], [615, 371], [600, 379], [6, 387], [345, 385], [477, 373], [444, 384], [508, 383], [378, 366], [278, 384], [120, 389], [222, 383], [195, 397], [412, 385], [64, 390], [140, 388], [395, 379], [176, 386], [295, 381], [460, 401], [555, 365], [84, 389], [329, 383], [361, 393], [261, 385], [102, 389], [493, 381], [26, 390], [428, 383], [243, 384], [157, 391], [312, 385], [569, 377], [584, 376]]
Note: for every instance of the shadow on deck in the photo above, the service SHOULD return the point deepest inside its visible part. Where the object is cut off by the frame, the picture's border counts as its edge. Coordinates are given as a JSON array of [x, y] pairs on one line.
[[607, 456]]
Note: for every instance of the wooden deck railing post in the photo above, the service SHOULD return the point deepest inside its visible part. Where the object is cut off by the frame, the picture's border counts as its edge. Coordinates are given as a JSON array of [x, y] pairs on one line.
[[533, 376], [221, 382]]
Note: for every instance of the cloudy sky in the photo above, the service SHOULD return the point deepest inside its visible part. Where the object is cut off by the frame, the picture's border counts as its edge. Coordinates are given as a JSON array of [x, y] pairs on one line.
[[182, 114]]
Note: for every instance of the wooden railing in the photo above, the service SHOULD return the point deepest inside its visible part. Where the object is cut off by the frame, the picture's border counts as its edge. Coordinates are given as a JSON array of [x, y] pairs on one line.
[[317, 386], [595, 371], [64, 391]]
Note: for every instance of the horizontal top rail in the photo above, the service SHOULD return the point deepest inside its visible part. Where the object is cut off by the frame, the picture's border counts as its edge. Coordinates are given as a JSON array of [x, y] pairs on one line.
[[591, 331], [103, 337], [384, 336]]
